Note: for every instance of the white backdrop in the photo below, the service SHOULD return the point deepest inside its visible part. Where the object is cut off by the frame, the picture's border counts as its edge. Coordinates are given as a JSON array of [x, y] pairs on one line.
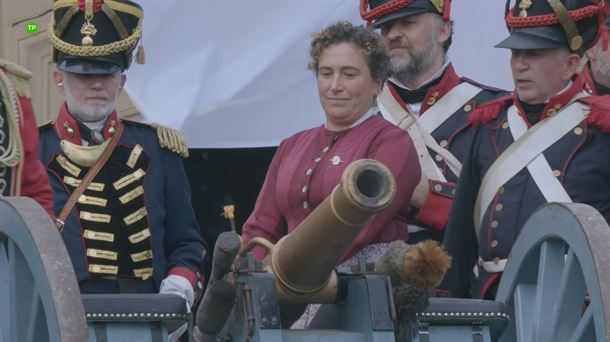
[[233, 73]]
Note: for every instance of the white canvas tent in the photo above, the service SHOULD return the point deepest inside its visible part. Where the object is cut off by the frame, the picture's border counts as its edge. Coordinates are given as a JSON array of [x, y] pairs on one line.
[[232, 73]]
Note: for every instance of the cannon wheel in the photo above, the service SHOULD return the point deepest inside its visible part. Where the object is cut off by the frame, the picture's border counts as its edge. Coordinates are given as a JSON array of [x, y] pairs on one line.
[[560, 257], [39, 296]]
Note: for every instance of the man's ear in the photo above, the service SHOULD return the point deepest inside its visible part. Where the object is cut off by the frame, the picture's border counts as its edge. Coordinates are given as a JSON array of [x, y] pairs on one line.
[[123, 80], [571, 66], [58, 77], [445, 32]]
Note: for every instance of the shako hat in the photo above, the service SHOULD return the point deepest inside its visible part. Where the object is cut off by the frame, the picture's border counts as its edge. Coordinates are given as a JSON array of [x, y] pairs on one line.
[[378, 12], [540, 24], [95, 36]]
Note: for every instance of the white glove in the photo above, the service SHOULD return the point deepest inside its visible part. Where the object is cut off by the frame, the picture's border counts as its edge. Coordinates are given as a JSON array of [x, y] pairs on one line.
[[179, 286]]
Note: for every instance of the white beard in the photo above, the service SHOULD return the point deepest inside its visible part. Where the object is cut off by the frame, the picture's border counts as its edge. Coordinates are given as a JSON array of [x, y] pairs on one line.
[[85, 112]]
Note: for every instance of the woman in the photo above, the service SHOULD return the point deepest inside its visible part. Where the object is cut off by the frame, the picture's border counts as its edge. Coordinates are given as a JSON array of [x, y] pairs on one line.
[[351, 65]]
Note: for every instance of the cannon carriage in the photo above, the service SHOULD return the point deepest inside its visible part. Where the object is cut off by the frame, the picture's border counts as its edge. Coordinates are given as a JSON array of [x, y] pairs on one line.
[[555, 286]]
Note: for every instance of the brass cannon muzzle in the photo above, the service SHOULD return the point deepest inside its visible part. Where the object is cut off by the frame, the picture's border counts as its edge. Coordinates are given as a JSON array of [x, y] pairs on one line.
[[303, 261]]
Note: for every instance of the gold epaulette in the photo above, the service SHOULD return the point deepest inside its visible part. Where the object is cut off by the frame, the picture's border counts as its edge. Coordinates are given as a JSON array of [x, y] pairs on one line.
[[19, 77], [171, 139]]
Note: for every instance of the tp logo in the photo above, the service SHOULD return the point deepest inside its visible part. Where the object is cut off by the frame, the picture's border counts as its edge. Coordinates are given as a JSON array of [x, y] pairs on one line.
[[31, 27]]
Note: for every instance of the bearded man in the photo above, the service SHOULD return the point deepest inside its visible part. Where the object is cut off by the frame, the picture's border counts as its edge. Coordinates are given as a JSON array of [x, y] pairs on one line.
[[427, 98]]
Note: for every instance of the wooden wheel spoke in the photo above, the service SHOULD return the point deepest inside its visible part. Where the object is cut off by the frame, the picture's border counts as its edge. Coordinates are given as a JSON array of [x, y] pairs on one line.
[[584, 330], [551, 264], [570, 299], [558, 258], [38, 289]]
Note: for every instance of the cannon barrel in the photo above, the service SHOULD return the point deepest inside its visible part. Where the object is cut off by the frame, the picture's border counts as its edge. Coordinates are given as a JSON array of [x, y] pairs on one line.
[[303, 261]]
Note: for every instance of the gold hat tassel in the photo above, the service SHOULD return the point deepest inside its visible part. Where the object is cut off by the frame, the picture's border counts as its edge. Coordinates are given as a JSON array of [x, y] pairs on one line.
[[140, 55]]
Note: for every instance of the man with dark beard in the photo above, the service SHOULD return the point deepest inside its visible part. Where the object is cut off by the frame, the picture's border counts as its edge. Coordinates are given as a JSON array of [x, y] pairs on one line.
[[428, 99]]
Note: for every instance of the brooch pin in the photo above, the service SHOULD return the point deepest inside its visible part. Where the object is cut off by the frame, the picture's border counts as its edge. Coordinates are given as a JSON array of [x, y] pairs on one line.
[[336, 160]]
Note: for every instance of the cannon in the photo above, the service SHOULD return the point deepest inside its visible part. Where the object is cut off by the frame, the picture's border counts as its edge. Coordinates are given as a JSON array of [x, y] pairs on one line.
[[555, 288], [299, 270]]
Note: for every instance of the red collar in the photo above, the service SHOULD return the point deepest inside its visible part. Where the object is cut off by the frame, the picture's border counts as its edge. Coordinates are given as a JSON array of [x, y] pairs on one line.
[[67, 128], [558, 101], [587, 78], [449, 81]]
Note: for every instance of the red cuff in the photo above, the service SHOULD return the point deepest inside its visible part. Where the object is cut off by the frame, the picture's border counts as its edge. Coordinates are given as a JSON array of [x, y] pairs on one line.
[[184, 272], [435, 211]]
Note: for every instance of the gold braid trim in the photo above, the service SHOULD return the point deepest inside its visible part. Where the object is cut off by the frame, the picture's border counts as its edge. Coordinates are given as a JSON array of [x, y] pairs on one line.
[[12, 154], [18, 76], [171, 139], [94, 51]]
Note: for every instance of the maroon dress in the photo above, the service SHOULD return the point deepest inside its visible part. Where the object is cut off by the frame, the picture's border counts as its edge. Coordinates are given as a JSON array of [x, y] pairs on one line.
[[309, 164]]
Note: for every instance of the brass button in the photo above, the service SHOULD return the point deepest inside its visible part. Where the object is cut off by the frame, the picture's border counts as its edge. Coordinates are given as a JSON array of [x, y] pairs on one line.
[[467, 108], [551, 112], [494, 224], [304, 188], [556, 173], [494, 243], [308, 172], [444, 143], [496, 260], [305, 205], [505, 125], [438, 157], [431, 101], [438, 187], [499, 207], [588, 88], [317, 160], [501, 190], [325, 149], [578, 131]]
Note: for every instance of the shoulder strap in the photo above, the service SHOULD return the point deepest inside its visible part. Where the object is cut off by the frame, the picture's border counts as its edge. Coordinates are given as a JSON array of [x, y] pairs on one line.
[[523, 151], [540, 170], [93, 171], [422, 139], [444, 108]]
